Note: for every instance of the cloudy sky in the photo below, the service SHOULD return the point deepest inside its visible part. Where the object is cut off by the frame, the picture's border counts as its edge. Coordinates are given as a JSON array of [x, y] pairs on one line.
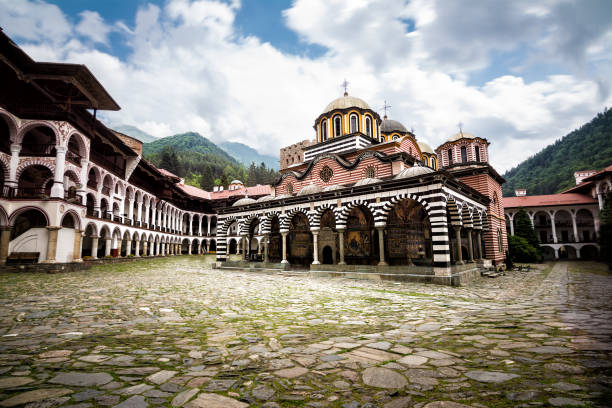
[[519, 73]]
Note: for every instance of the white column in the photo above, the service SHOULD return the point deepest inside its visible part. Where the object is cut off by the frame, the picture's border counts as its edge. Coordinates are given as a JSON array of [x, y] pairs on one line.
[[128, 247], [58, 180], [190, 224], [200, 226], [599, 196], [315, 245], [15, 149], [554, 229], [83, 190], [511, 217], [130, 213], [284, 235], [381, 245], [137, 249], [165, 223], [573, 214], [153, 215], [139, 211], [208, 225]]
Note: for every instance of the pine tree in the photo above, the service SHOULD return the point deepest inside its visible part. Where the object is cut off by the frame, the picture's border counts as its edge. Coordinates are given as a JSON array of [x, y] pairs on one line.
[[605, 231], [169, 161], [207, 180], [524, 229], [252, 177]]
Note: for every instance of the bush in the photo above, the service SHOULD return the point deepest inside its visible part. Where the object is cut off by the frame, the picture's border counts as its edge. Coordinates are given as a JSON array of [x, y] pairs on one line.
[[520, 250]]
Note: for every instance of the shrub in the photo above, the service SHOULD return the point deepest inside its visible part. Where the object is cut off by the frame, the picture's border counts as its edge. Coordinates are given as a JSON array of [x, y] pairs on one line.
[[521, 250]]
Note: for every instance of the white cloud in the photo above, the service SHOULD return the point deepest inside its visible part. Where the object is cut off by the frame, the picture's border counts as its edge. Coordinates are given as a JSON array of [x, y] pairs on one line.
[[189, 70], [92, 26], [34, 20]]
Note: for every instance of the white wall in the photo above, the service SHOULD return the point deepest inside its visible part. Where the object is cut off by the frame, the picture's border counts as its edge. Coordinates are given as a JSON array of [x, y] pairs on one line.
[[33, 240], [65, 245]]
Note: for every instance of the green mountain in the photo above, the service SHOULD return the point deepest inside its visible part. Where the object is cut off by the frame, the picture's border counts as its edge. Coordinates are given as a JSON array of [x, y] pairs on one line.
[[201, 162], [136, 133], [552, 169], [247, 155]]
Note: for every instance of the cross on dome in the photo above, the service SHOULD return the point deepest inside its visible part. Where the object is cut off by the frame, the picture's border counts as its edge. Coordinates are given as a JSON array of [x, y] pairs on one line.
[[386, 107], [345, 85]]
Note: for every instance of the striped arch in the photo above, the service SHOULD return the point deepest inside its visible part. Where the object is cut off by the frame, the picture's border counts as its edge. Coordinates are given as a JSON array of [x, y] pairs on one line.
[[477, 219], [453, 211], [381, 216], [75, 217], [4, 163], [286, 221], [11, 123], [38, 123], [316, 218], [35, 162], [266, 228], [344, 212], [466, 216], [485, 221], [246, 225]]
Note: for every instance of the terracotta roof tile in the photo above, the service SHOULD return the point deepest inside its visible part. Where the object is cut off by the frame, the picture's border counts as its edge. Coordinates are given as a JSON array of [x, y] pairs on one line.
[[548, 200]]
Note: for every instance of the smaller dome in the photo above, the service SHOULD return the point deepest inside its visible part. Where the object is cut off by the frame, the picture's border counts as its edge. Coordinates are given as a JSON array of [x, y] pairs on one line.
[[332, 187], [265, 198], [413, 172], [280, 197], [244, 201], [390, 125], [345, 102], [366, 181], [237, 182], [459, 136], [309, 189]]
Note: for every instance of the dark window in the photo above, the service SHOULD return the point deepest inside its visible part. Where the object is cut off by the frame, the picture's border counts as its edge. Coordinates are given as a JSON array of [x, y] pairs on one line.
[[564, 236], [324, 131], [450, 156], [463, 154], [368, 126], [542, 220], [477, 153], [337, 126]]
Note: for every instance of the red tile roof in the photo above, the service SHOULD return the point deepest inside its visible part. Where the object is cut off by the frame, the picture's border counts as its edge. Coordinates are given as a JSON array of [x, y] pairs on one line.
[[194, 191], [599, 173], [548, 200], [258, 190], [167, 173]]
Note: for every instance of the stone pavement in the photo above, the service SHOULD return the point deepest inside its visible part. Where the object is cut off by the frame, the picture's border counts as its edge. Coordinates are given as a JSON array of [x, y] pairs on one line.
[[172, 332]]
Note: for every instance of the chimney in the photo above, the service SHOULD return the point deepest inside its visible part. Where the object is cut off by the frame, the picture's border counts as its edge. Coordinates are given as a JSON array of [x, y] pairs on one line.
[[582, 174], [215, 189], [521, 192]]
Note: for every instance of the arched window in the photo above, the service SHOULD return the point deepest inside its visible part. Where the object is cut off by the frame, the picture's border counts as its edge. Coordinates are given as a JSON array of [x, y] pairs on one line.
[[324, 131], [368, 126], [450, 156], [433, 163], [337, 126], [500, 241], [477, 153], [464, 154], [395, 137], [353, 124]]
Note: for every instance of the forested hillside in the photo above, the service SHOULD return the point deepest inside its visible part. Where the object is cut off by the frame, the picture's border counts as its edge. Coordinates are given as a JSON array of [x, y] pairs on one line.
[[552, 169], [202, 163]]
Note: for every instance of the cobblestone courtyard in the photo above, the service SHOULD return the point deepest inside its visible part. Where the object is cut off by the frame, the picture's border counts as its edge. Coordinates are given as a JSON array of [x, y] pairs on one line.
[[172, 332]]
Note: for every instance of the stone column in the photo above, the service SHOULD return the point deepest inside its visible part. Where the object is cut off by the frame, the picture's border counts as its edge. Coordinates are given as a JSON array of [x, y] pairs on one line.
[[130, 213], [107, 249], [576, 238], [52, 244], [479, 244], [247, 248], [511, 218], [554, 228], [458, 238], [189, 249], [200, 225], [128, 247], [259, 246], [315, 245], [381, 245], [139, 211], [470, 246], [94, 247], [58, 180], [76, 251], [341, 246], [12, 180], [5, 239], [199, 248], [82, 191], [284, 235], [190, 224], [157, 248], [162, 248], [145, 247], [265, 241], [600, 199], [137, 249], [119, 244], [208, 225], [153, 218]]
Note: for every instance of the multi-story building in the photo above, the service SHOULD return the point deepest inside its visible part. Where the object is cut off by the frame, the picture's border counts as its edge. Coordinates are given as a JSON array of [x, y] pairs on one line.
[[73, 188], [567, 224]]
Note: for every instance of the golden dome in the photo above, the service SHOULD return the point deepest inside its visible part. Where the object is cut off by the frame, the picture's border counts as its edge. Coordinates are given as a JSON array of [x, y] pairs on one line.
[[346, 102], [460, 135], [425, 148]]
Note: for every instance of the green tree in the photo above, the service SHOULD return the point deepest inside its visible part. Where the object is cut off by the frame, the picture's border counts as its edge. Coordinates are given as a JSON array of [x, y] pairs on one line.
[[605, 231], [524, 229], [169, 161], [520, 250], [207, 180], [252, 177]]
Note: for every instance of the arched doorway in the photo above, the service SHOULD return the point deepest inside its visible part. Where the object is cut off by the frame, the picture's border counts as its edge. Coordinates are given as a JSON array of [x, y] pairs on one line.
[[194, 247], [328, 237], [253, 242], [564, 227], [232, 246], [299, 241], [548, 253], [35, 182], [27, 220], [29, 234], [408, 237], [185, 247], [586, 226], [212, 246], [87, 245], [359, 247], [588, 252], [104, 242]]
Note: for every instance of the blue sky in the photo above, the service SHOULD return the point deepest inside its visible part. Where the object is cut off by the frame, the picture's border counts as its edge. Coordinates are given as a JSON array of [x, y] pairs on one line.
[[519, 73]]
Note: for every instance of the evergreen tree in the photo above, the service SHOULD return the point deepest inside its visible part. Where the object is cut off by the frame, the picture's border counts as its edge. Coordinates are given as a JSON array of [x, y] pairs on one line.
[[169, 161], [605, 231], [207, 180], [252, 177], [524, 229]]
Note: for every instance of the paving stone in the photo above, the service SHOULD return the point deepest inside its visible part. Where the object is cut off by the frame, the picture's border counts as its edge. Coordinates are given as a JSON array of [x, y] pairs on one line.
[[55, 353], [81, 379], [446, 404], [161, 377], [220, 385], [413, 360], [136, 401], [523, 395], [107, 400], [86, 395], [35, 395], [293, 372], [401, 402], [562, 402], [562, 386], [206, 400], [12, 382], [381, 345], [134, 389], [48, 403], [549, 350], [564, 368], [183, 397], [383, 378], [262, 392], [490, 376]]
